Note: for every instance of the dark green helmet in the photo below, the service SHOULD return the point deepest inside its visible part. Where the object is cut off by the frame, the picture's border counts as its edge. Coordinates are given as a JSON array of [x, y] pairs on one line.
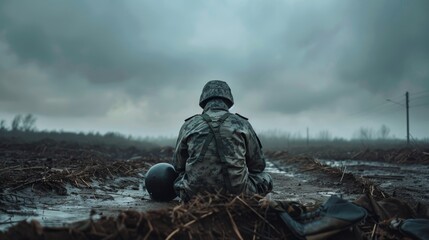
[[216, 89], [159, 182]]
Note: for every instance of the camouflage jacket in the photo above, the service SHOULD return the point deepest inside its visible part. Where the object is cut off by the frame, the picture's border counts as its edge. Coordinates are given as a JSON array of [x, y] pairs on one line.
[[241, 149]]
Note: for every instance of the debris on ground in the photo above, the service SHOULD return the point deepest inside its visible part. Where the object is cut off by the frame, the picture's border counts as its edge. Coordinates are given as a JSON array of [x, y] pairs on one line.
[[212, 216], [205, 217], [48, 168]]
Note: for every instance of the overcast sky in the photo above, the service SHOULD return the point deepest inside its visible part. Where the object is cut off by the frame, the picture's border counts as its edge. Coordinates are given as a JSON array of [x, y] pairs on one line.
[[138, 67]]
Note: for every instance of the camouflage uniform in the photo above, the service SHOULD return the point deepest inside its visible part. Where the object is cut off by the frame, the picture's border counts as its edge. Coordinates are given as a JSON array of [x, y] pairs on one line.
[[219, 151]]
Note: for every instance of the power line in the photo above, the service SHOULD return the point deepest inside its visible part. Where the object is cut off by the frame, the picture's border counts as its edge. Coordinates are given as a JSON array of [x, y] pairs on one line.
[[418, 92], [390, 110], [382, 108], [420, 96], [420, 105], [378, 107], [371, 109], [420, 101], [400, 104], [397, 98]]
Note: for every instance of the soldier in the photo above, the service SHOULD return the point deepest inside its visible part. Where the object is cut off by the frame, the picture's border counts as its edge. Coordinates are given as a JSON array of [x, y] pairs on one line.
[[218, 151]]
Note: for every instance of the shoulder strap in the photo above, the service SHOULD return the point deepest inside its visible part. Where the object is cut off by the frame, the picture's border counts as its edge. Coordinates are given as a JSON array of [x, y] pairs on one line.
[[215, 132], [208, 140], [245, 118], [191, 117]]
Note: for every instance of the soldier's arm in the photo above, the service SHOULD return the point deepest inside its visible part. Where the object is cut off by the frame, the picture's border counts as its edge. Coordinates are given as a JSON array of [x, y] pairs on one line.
[[255, 159], [181, 152]]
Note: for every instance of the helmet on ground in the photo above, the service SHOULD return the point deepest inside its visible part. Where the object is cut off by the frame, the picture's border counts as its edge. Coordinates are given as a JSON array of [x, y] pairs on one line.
[[159, 182], [216, 89]]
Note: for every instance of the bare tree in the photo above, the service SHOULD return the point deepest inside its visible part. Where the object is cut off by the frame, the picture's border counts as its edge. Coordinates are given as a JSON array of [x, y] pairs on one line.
[[16, 122], [2, 125], [366, 133], [28, 123], [384, 132], [325, 135], [297, 136]]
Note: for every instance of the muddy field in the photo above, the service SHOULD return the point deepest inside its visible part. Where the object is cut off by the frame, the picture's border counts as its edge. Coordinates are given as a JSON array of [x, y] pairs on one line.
[[60, 184]]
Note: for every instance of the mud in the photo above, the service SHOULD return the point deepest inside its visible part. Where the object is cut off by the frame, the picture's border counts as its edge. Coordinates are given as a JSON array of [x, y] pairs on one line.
[[405, 181], [61, 182], [106, 198], [79, 182], [113, 195], [419, 154]]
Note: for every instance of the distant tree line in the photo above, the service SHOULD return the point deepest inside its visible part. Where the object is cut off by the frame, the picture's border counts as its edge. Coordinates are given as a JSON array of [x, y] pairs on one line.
[[364, 137], [364, 133], [23, 128]]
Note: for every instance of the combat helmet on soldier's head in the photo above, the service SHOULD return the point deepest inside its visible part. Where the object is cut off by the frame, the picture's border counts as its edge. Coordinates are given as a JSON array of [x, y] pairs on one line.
[[216, 89]]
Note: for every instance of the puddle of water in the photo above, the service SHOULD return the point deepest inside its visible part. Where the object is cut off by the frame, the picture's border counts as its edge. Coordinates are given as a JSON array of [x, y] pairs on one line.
[[342, 163], [53, 210], [329, 193], [272, 168], [378, 168], [291, 172]]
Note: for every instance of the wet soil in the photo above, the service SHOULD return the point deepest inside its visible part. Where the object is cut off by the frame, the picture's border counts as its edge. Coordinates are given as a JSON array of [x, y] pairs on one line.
[[111, 195], [78, 181], [404, 181], [60, 182]]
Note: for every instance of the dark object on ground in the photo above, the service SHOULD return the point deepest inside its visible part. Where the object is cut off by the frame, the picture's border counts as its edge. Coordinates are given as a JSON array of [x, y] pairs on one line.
[[159, 182], [332, 217], [414, 228], [392, 218]]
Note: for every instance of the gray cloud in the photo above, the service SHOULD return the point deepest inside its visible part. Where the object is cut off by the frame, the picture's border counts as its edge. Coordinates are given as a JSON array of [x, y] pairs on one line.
[[150, 60], [388, 45]]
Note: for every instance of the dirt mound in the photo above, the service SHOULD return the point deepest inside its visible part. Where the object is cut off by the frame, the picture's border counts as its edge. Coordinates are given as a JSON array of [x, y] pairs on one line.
[[213, 217], [208, 217]]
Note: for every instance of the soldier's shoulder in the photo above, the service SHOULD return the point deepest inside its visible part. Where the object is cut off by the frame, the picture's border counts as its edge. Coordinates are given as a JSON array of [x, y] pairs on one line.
[[241, 116], [191, 117]]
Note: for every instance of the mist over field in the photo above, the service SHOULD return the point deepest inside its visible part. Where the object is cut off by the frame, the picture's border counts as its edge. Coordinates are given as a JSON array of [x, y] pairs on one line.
[[138, 67]]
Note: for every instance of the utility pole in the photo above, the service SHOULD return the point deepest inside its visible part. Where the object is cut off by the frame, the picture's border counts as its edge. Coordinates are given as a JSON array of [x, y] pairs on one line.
[[408, 118], [308, 140]]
